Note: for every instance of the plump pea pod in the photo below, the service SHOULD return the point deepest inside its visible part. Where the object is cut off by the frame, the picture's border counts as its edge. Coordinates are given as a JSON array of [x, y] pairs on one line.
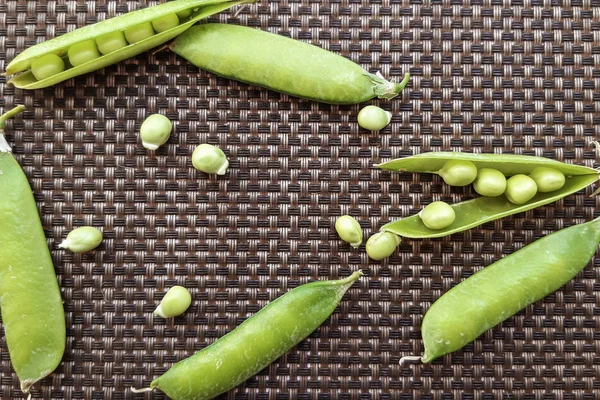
[[30, 300], [281, 64], [472, 213], [495, 293], [22, 63], [256, 343]]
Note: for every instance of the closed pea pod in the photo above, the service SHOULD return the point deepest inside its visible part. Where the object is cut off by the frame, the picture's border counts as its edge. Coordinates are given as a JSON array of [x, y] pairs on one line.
[[137, 25], [498, 291], [281, 64], [32, 310], [256, 343], [480, 210]]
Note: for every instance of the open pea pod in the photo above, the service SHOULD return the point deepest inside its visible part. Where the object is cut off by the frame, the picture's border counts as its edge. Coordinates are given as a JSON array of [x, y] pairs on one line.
[[472, 213], [508, 164], [21, 65]]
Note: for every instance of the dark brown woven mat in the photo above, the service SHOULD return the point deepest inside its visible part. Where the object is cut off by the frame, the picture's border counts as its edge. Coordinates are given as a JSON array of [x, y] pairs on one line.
[[487, 76]]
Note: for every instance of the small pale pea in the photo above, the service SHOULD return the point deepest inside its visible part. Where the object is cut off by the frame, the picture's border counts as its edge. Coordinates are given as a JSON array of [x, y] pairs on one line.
[[139, 32], [547, 179], [382, 245], [165, 23], [210, 159], [82, 239], [437, 215], [489, 182], [47, 66], [458, 172], [83, 52], [349, 230], [176, 301], [155, 131], [111, 42], [374, 118], [520, 189]]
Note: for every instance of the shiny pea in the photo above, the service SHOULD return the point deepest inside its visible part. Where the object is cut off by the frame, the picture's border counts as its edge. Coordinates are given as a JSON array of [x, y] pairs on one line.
[[111, 42], [547, 179], [83, 52], [210, 159], [349, 230], [47, 65], [489, 182], [373, 118], [155, 131], [382, 245], [139, 32], [176, 301], [458, 173], [165, 23], [520, 189], [437, 215], [82, 239]]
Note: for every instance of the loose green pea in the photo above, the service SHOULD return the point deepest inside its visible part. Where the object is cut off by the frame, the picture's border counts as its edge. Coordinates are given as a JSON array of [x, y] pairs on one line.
[[489, 182], [47, 66], [210, 159], [83, 52], [520, 189], [139, 32], [437, 215], [382, 245], [458, 172], [111, 42], [82, 239], [547, 179], [175, 302], [155, 131], [349, 230], [165, 23], [374, 118]]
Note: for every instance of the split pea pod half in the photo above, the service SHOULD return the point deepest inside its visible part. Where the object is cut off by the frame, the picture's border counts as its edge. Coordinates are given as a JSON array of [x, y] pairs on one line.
[[255, 344], [108, 42], [281, 64], [30, 300], [472, 213], [497, 292]]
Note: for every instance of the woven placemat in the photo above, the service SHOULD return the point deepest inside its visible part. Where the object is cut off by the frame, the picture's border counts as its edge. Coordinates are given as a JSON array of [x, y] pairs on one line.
[[517, 76]]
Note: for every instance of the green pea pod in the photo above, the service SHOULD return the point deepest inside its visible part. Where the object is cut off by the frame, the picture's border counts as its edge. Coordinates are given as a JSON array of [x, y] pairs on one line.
[[496, 292], [472, 213], [22, 63], [30, 300], [256, 343], [281, 64]]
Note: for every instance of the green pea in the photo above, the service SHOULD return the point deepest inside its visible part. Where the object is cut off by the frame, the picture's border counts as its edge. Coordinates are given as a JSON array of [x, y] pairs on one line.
[[458, 172], [437, 215], [257, 342], [111, 42], [489, 182], [82, 239], [281, 64], [165, 23], [382, 245], [349, 230], [184, 14], [155, 131], [500, 290], [547, 179], [47, 66], [520, 189], [210, 159], [139, 32], [176, 302], [33, 317], [374, 118], [83, 52]]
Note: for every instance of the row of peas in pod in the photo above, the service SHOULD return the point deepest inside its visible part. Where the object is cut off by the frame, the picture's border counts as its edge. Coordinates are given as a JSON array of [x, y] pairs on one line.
[[89, 50]]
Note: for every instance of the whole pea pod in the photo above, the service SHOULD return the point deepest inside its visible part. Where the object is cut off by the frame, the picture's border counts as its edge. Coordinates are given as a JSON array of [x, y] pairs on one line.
[[281, 64], [108, 42], [495, 293], [256, 343], [30, 300], [483, 209]]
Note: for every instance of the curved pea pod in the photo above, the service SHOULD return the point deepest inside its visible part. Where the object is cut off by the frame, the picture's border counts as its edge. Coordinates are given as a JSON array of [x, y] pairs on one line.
[[472, 213], [256, 343], [32, 311], [500, 290], [22, 63], [281, 64]]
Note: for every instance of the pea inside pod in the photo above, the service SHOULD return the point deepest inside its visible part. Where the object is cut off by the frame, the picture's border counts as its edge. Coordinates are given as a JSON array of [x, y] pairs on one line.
[[99, 45], [498, 291], [33, 317]]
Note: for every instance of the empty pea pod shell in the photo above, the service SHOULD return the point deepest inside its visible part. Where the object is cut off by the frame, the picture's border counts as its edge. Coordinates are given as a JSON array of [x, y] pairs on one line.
[[498, 291], [33, 317], [256, 343], [472, 213], [281, 64], [22, 63]]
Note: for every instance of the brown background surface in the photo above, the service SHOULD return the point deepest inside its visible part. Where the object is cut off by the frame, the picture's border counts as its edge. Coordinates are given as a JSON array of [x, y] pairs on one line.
[[487, 76]]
